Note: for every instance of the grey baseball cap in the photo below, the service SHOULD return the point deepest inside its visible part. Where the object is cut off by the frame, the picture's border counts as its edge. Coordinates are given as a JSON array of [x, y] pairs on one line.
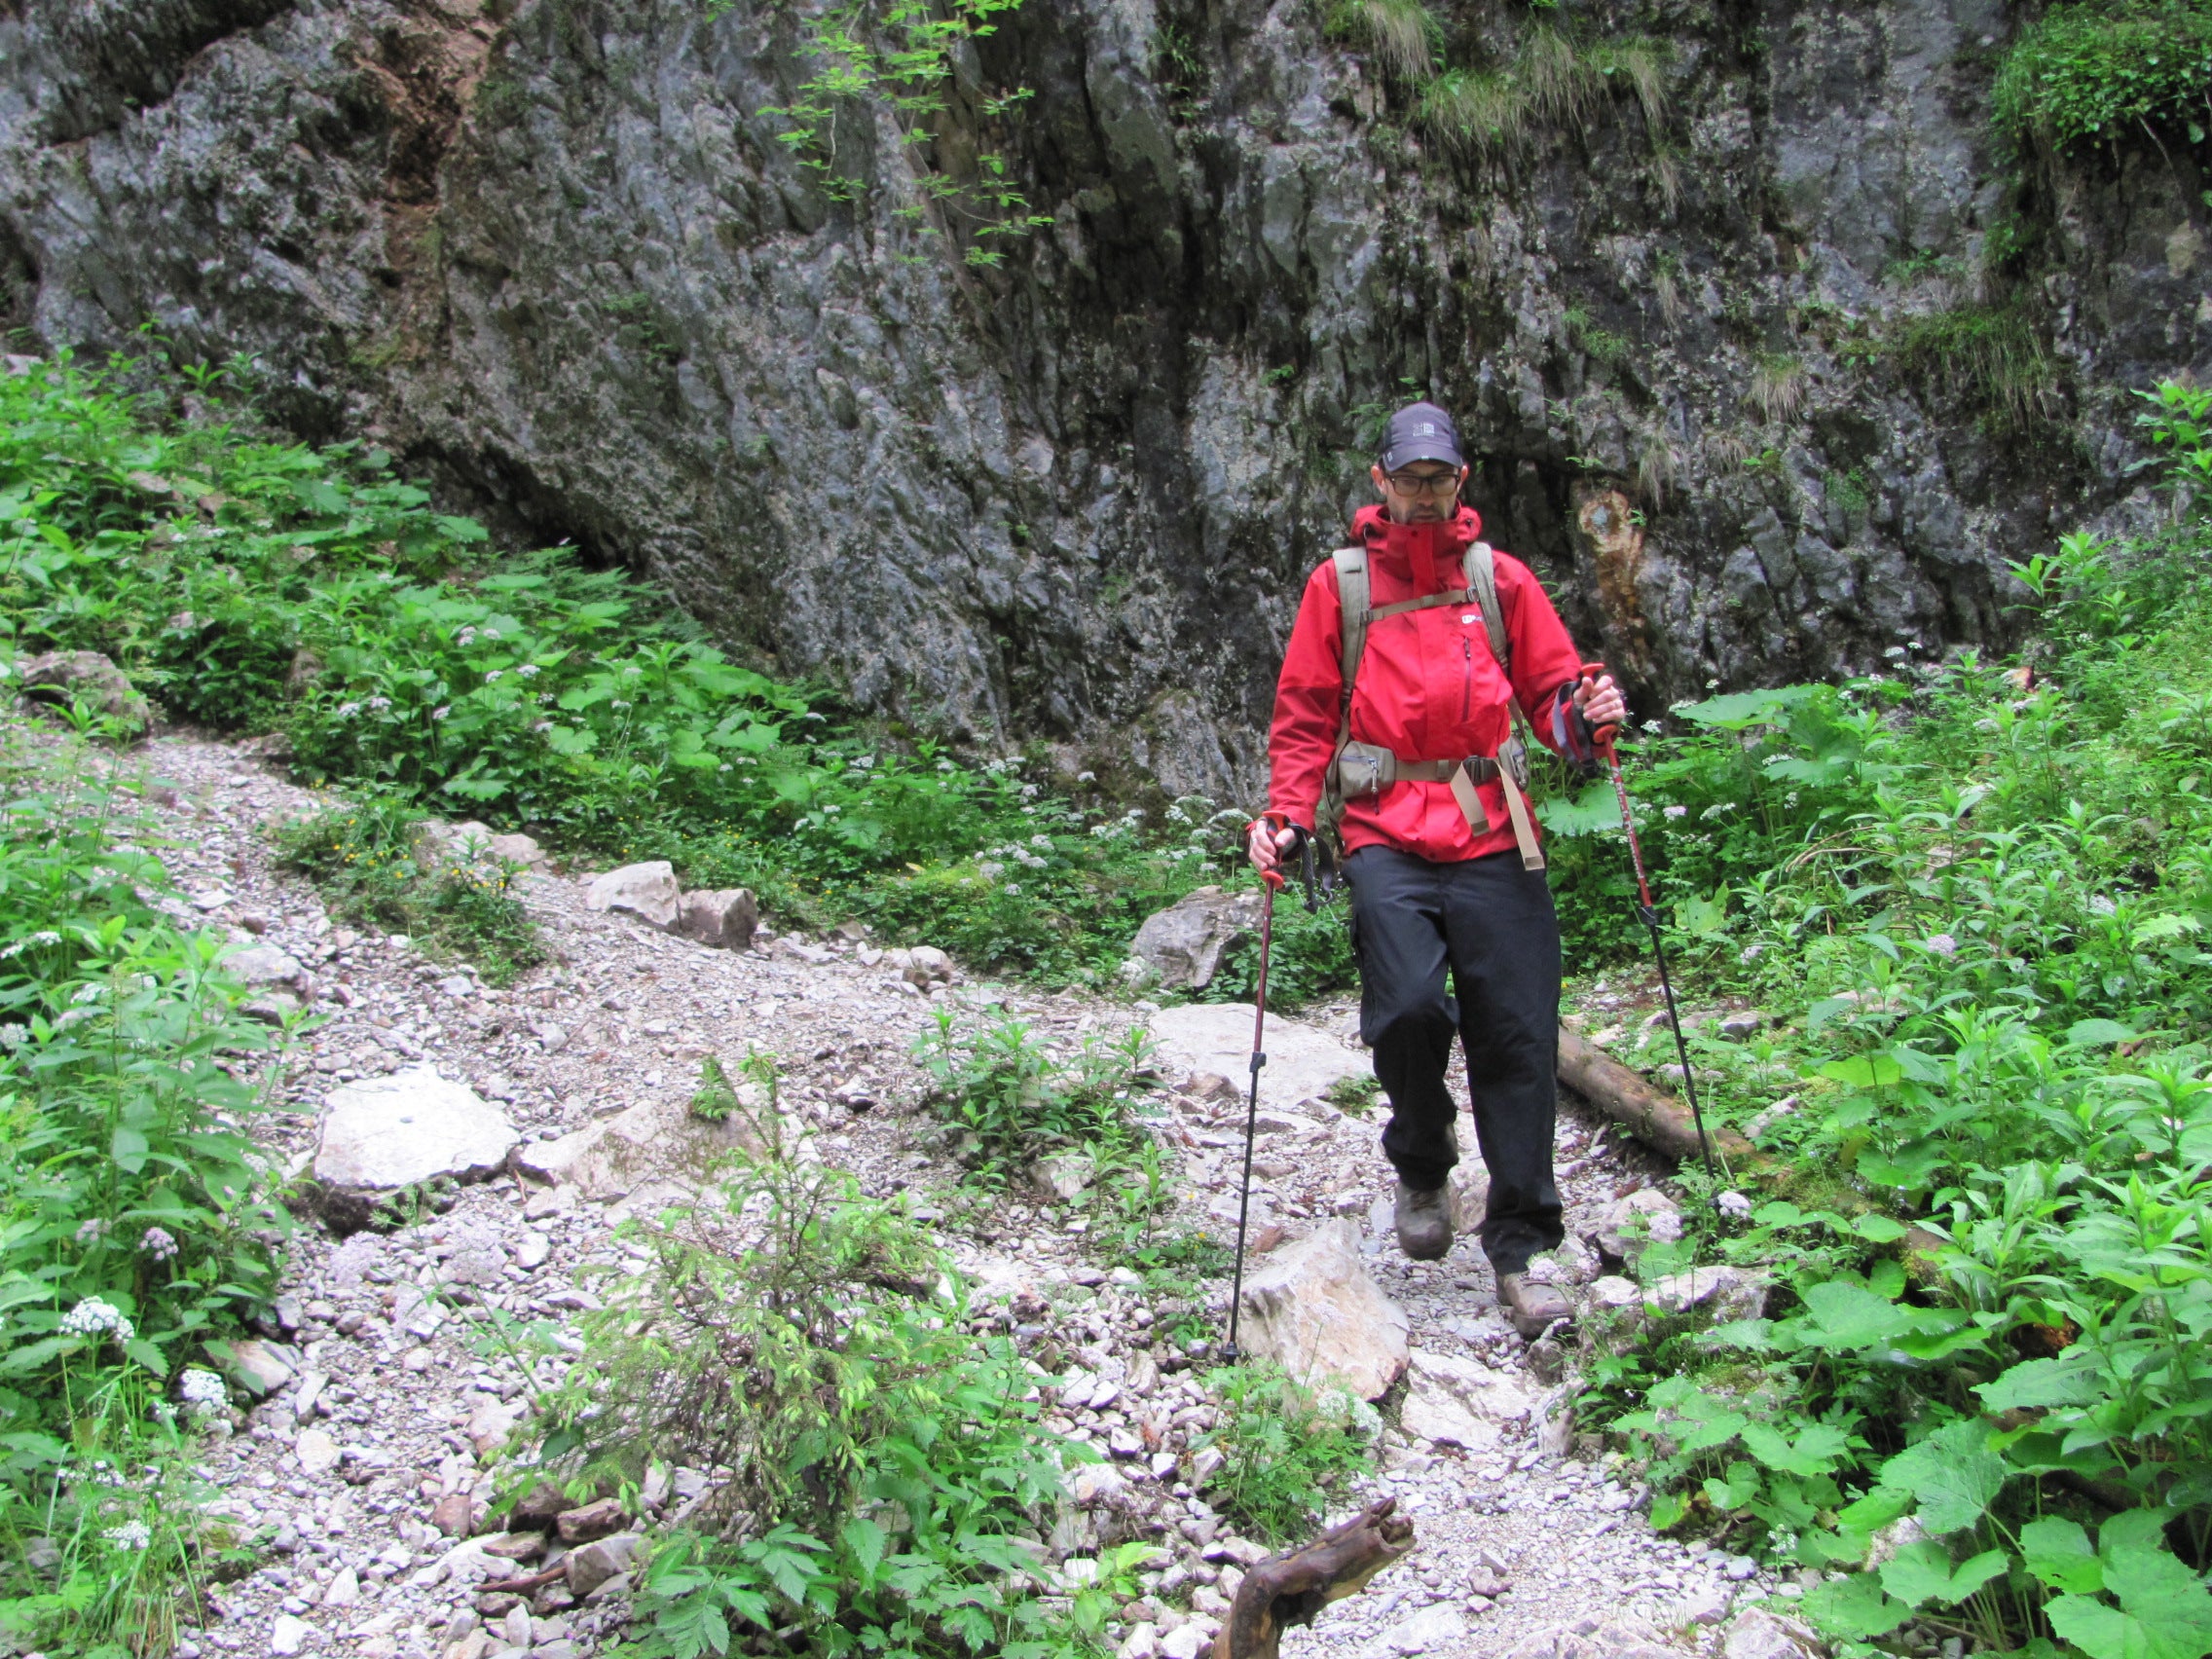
[[1420, 432]]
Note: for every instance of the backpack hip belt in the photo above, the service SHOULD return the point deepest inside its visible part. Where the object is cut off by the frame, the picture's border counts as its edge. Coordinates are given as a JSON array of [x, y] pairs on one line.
[[1366, 768]]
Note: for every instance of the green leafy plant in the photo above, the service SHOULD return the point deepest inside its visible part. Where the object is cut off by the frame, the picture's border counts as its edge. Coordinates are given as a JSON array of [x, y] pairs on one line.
[[1285, 1449], [382, 871], [888, 1475], [2098, 74], [897, 55]]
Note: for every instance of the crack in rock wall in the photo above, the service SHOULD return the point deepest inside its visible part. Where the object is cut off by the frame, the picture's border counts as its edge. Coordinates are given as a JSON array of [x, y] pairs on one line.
[[554, 253]]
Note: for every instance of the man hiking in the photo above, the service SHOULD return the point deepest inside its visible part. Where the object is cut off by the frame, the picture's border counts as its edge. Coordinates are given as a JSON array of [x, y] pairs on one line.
[[1411, 652]]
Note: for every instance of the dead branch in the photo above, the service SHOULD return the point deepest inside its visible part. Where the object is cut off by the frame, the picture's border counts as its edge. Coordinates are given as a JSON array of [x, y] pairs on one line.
[[1290, 1589]]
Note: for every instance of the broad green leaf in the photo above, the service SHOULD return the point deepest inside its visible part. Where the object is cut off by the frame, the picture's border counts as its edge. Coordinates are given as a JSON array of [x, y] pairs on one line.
[[2039, 1382], [2058, 1553], [1856, 1609], [1814, 1453], [1841, 1317], [864, 1541], [1922, 1572], [128, 1148], [2096, 1033], [1864, 1071], [2165, 1600], [1952, 1474]]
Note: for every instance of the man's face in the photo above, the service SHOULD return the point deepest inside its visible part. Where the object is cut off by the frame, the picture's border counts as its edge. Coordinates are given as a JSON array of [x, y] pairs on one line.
[[1421, 491]]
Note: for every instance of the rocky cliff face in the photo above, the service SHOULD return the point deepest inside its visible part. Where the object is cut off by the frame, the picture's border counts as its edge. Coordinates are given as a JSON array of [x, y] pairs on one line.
[[554, 252]]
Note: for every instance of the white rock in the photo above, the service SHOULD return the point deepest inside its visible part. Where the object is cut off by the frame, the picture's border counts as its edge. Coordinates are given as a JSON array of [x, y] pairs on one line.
[[317, 1453], [593, 1564], [1142, 1643], [1183, 944], [1611, 1294], [1455, 1401], [1721, 1293], [1433, 1630], [610, 1158], [1097, 1483], [1184, 1641], [1313, 1309], [1216, 1038], [264, 965], [646, 891], [1627, 1226], [344, 1590], [388, 1133], [288, 1636], [1707, 1604], [263, 1367], [516, 849], [1758, 1633], [925, 965], [490, 1425]]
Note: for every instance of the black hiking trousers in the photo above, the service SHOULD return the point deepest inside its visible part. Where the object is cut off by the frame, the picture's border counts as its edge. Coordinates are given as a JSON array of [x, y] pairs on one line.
[[1491, 923]]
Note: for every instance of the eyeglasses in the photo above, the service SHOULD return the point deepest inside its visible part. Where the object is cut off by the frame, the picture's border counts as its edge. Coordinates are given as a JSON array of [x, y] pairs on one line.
[[1423, 483]]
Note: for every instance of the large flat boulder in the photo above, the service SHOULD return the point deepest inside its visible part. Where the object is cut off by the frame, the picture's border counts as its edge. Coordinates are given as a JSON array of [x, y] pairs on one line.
[[1314, 1311], [87, 676], [386, 1133], [1216, 1038]]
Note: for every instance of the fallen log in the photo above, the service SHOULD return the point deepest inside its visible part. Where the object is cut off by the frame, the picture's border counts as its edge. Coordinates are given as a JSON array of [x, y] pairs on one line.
[[1656, 1119], [1290, 1589]]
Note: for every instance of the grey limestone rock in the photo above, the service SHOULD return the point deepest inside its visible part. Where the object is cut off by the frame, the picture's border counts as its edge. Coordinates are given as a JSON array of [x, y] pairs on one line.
[[88, 677], [1183, 944], [388, 1133], [646, 891], [725, 918], [1313, 1309]]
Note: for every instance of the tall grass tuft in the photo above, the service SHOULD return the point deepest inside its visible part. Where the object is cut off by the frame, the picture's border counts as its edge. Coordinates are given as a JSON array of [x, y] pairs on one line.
[[1403, 36]]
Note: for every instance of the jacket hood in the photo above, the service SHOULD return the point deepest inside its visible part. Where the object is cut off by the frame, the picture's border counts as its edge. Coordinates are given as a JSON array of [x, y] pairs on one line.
[[1430, 553]]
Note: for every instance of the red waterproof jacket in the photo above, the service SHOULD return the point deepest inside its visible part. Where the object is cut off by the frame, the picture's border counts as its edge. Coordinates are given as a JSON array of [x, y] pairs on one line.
[[1427, 689]]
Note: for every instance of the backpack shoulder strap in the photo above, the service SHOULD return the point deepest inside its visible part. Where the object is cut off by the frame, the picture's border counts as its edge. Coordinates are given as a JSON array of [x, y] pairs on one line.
[[1482, 583], [1351, 598]]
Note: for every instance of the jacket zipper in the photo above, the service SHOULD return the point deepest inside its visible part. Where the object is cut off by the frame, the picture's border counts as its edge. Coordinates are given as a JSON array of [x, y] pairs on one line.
[[1467, 680]]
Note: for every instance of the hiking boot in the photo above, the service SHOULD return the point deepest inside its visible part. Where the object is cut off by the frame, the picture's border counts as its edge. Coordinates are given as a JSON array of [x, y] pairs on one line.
[[1532, 1307], [1424, 1223]]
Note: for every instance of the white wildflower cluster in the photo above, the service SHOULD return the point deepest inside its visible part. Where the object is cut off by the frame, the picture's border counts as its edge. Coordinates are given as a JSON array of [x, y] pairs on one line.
[[1087, 777], [440, 713], [88, 994], [1941, 944], [201, 1390], [862, 762], [1021, 854], [2100, 905], [467, 637], [617, 703], [1029, 791], [159, 1242], [1733, 1203], [376, 705], [92, 1231], [1043, 843], [13, 1035], [492, 675], [1678, 812], [130, 1535], [527, 670], [346, 711], [947, 766], [45, 936], [94, 1316]]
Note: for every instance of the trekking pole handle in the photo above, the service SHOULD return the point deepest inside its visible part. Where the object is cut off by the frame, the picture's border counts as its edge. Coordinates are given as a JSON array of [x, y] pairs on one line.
[[1600, 737]]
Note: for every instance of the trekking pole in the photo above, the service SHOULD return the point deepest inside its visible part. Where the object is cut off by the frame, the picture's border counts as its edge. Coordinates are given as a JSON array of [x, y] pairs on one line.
[[1270, 881], [1648, 914]]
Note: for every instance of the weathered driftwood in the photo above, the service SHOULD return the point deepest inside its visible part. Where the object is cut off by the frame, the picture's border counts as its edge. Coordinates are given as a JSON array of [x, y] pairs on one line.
[[1656, 1119], [1290, 1589]]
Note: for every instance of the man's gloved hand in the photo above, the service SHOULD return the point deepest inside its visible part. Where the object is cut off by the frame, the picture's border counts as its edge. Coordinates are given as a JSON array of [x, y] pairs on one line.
[[1268, 838]]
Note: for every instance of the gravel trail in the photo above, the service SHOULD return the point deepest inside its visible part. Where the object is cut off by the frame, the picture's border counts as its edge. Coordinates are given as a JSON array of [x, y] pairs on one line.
[[385, 1409]]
